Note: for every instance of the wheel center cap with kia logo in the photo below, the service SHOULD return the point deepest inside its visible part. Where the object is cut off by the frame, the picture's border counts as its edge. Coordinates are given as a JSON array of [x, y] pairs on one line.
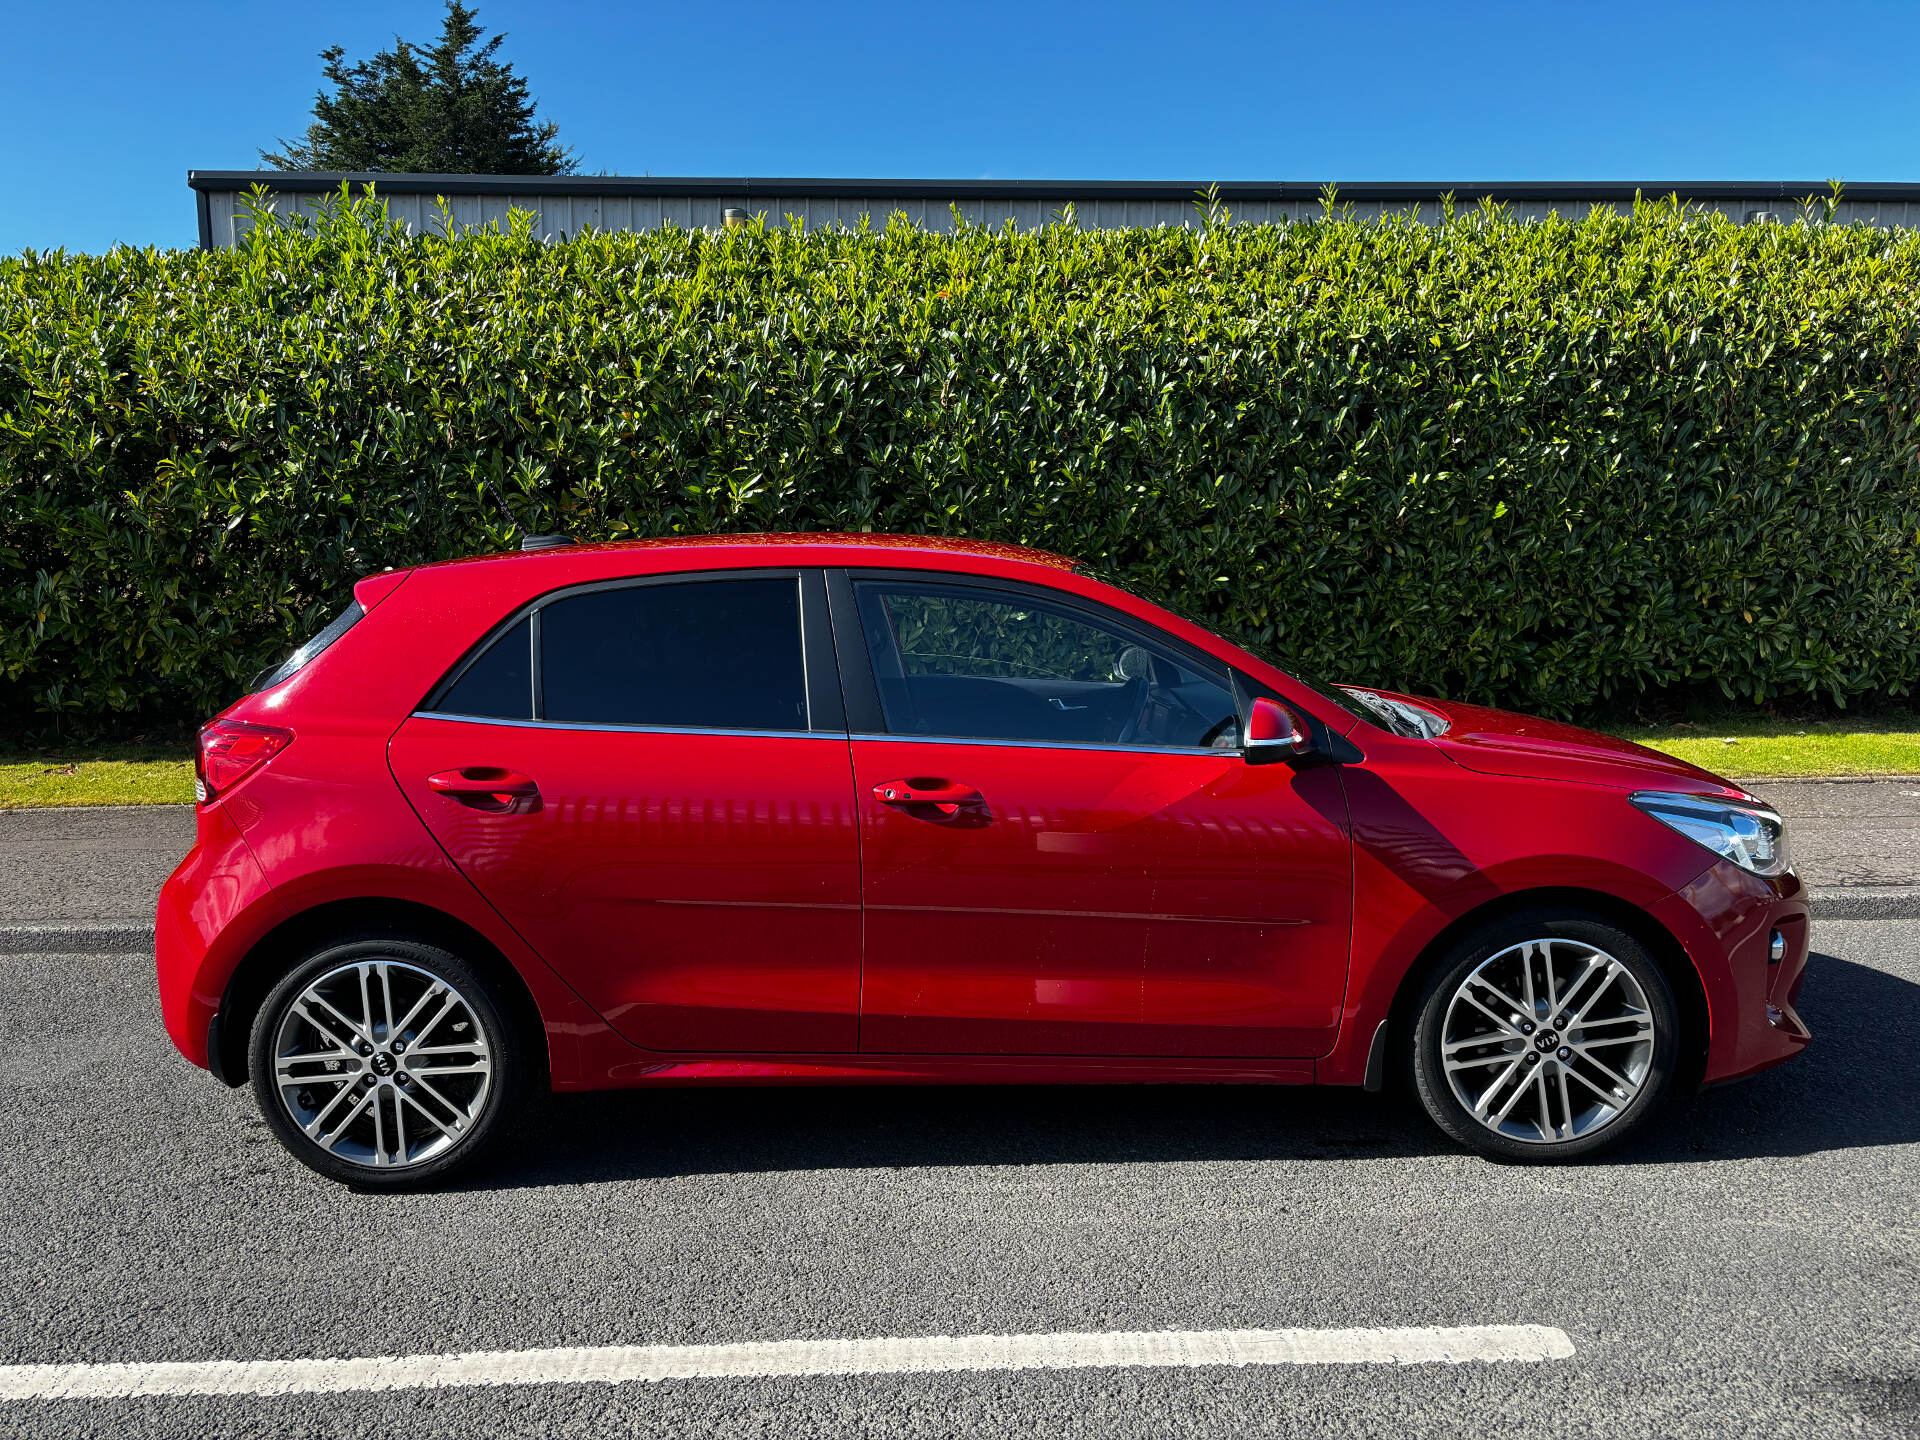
[[383, 1064], [1547, 1039]]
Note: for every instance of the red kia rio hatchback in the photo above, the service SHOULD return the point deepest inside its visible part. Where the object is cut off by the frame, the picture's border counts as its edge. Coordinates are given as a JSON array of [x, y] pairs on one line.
[[765, 810]]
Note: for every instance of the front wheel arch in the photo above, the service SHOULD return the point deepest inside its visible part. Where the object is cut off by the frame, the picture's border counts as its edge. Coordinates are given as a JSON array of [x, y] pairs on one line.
[[1689, 994], [336, 921]]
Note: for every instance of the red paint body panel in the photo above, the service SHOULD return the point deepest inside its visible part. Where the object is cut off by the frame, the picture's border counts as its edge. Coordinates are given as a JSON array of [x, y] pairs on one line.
[[1431, 846], [213, 908], [689, 908], [1103, 902], [326, 825], [1500, 742], [1724, 919], [701, 892]]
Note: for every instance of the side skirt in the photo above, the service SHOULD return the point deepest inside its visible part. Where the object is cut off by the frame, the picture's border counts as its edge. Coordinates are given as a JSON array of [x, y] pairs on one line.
[[947, 1070]]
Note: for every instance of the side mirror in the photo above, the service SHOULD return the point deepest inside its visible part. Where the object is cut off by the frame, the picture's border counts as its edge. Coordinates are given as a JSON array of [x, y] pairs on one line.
[[1274, 733]]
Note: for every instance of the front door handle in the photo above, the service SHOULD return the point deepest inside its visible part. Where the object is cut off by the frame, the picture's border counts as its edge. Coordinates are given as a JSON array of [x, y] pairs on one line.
[[487, 787], [946, 799]]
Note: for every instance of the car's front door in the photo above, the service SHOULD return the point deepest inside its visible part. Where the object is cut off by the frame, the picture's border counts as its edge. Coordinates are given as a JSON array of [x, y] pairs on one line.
[[649, 780], [1063, 850]]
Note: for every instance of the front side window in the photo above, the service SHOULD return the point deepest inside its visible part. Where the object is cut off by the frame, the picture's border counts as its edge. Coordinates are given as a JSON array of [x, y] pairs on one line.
[[704, 654], [979, 664]]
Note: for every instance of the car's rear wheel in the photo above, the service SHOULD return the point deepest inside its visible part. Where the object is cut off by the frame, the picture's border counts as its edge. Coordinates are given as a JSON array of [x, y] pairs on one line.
[[384, 1062], [1545, 1036]]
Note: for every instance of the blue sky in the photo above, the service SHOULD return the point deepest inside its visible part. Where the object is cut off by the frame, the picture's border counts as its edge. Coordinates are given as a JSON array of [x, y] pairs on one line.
[[105, 106]]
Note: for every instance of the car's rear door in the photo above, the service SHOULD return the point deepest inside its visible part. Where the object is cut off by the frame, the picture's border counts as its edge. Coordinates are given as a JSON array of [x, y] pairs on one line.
[[1064, 851], [649, 780]]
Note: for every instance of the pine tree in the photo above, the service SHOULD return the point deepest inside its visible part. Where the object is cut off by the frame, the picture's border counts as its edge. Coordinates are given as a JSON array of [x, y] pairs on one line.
[[451, 109]]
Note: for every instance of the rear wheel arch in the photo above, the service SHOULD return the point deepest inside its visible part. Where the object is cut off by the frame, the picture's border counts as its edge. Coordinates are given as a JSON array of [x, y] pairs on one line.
[[1665, 947], [300, 935]]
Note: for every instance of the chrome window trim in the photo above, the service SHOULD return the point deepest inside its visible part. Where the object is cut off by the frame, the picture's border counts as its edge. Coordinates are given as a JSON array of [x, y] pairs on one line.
[[1234, 752], [627, 729]]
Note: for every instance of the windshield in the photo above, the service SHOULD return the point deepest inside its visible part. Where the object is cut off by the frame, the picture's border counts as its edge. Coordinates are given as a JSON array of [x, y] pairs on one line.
[[1332, 694]]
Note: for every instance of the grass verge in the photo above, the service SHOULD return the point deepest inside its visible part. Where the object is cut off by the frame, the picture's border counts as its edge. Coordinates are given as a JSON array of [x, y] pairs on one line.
[[1764, 747], [101, 775]]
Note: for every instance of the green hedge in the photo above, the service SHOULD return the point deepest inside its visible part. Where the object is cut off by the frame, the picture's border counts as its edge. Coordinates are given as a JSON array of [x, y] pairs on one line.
[[1546, 465]]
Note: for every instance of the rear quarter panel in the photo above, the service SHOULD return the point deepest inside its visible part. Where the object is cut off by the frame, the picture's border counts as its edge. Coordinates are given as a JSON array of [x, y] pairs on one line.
[[215, 907]]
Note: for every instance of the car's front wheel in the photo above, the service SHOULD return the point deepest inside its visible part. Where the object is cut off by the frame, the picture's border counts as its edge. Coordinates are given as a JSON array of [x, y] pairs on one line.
[[1545, 1036], [383, 1062]]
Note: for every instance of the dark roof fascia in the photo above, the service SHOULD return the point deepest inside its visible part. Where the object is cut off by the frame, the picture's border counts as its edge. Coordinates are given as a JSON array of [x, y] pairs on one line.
[[774, 187]]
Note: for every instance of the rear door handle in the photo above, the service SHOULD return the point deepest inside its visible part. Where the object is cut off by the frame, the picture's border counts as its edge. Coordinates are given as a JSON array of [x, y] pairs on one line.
[[487, 787], [947, 798]]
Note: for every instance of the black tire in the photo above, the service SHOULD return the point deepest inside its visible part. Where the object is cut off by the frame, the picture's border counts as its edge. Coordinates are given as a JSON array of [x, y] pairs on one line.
[[1569, 1070], [397, 1082]]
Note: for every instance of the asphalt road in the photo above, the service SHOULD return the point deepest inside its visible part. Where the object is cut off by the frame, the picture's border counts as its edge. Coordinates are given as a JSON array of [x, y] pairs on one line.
[[1849, 832], [1752, 1267], [89, 863]]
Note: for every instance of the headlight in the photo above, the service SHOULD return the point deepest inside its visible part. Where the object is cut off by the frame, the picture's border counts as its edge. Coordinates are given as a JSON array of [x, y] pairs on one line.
[[1751, 836]]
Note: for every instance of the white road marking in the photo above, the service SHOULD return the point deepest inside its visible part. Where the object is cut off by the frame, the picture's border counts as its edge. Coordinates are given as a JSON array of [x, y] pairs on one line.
[[615, 1364]]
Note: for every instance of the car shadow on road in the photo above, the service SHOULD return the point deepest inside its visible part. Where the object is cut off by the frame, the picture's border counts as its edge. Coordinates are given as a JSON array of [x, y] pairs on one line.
[[1852, 1087]]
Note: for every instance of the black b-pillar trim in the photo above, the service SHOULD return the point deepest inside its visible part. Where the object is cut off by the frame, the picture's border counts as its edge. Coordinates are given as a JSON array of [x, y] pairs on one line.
[[826, 710], [864, 716]]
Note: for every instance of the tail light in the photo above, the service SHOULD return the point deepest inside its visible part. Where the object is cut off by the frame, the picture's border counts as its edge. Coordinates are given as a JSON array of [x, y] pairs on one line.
[[231, 750]]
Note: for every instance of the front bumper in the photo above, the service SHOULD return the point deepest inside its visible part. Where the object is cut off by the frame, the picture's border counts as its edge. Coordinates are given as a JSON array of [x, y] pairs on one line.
[[1726, 919]]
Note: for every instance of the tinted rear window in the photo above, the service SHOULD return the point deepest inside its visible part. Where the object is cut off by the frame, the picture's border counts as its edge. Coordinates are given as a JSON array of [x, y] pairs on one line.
[[498, 684], [707, 654]]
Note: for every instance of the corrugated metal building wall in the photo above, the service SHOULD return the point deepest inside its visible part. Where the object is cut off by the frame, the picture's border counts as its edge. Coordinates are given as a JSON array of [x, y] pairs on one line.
[[566, 205]]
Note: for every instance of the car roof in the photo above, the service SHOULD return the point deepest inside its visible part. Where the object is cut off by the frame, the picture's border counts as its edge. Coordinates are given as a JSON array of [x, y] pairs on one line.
[[840, 548]]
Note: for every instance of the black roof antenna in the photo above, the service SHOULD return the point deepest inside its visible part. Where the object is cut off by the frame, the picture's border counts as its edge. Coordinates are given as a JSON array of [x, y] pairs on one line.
[[527, 542]]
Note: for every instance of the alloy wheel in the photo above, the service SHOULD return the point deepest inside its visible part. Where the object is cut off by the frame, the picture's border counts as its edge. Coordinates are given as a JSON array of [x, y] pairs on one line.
[[1548, 1041], [382, 1064]]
